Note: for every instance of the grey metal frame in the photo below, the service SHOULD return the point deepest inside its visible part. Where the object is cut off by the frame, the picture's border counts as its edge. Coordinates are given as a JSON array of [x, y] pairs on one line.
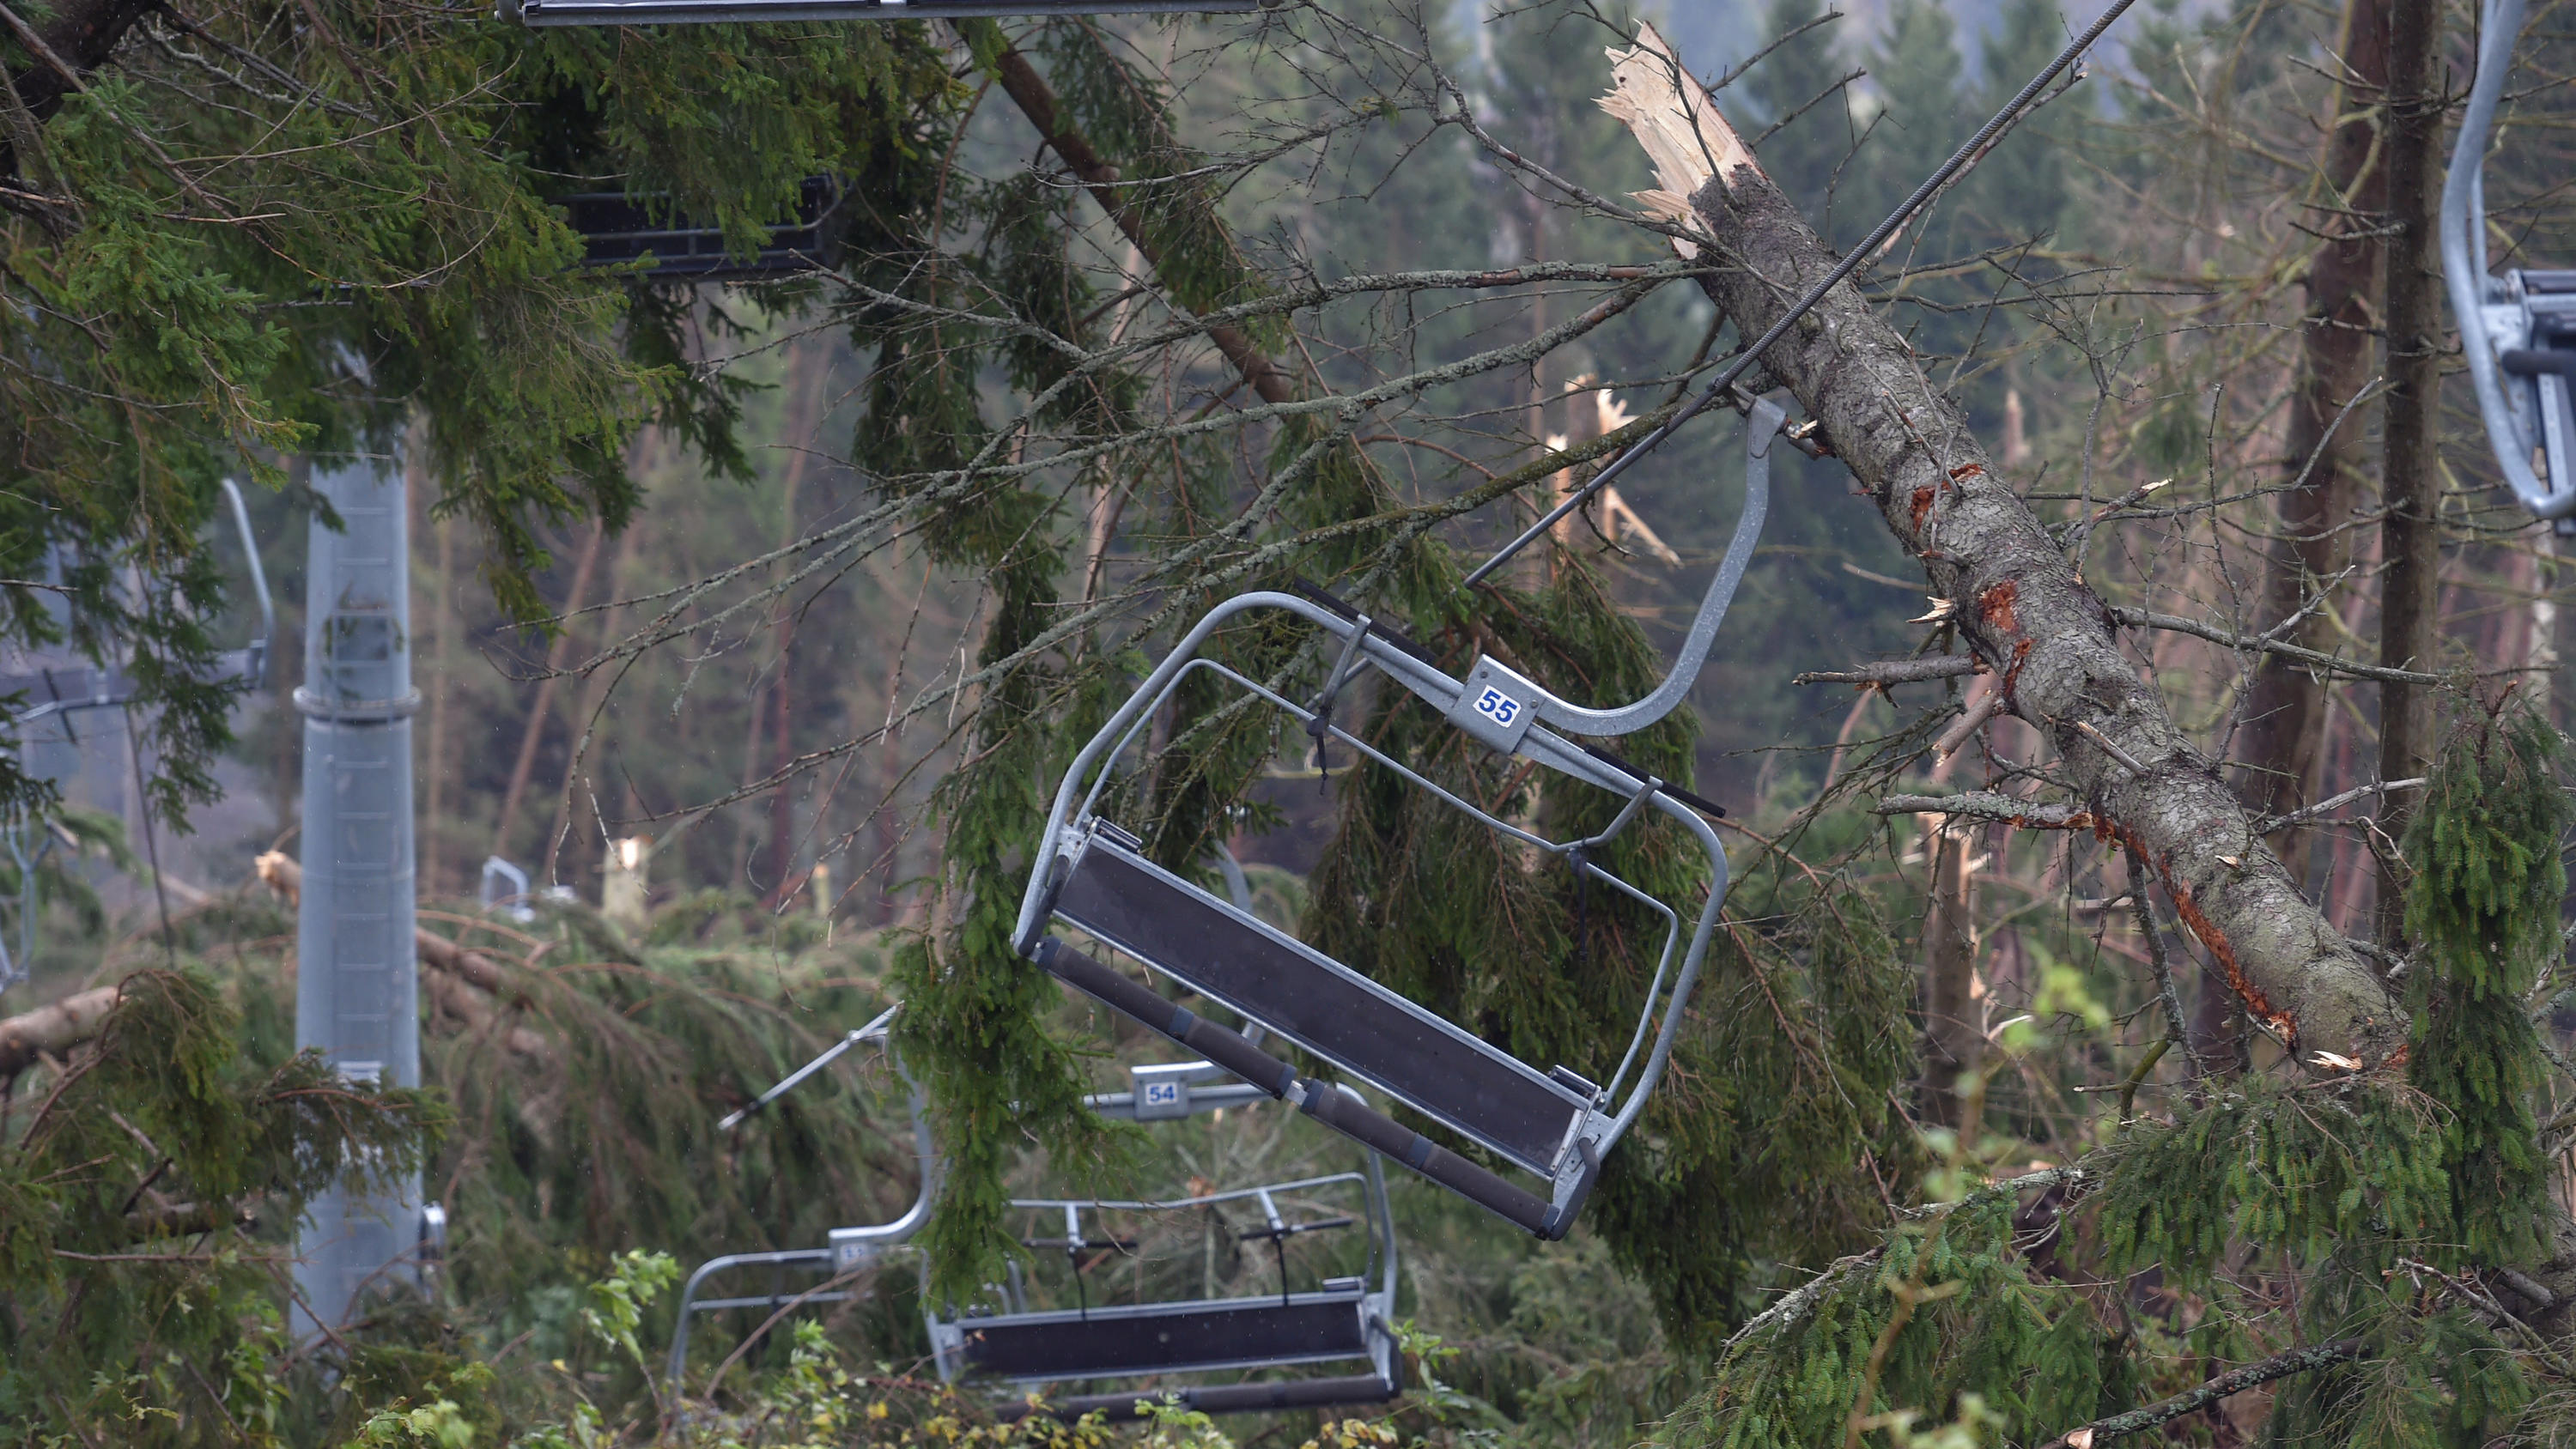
[[846, 1250], [1506, 712], [1374, 1305], [2517, 331], [64, 691]]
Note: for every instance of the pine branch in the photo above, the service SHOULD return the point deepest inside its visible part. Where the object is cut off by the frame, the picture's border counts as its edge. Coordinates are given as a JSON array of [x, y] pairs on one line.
[[1036, 99], [2177, 624], [2235, 1381], [1989, 805], [1881, 673]]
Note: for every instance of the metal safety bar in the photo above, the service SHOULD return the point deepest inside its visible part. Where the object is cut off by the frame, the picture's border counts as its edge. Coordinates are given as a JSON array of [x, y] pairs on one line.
[[2517, 331]]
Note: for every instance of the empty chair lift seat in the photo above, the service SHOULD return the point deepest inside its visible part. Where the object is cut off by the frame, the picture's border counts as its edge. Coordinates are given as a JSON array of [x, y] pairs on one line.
[[1341, 1319], [1091, 876]]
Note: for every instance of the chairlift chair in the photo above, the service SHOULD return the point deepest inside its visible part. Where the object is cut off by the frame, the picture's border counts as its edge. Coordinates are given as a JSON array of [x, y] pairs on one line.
[[2518, 331], [1337, 1320], [48, 691], [617, 228], [1158, 1091], [1092, 876], [845, 1250]]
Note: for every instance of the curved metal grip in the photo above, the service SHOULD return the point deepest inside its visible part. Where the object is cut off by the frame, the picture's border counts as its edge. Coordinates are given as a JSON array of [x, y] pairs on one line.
[[2464, 272]]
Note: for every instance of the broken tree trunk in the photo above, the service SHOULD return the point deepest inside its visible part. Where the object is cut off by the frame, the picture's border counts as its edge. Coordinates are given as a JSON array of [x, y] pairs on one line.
[[2020, 604], [464, 982], [1036, 99]]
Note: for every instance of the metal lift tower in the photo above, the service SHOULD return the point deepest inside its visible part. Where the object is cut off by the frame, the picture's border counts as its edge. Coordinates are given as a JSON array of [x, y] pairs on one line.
[[357, 994]]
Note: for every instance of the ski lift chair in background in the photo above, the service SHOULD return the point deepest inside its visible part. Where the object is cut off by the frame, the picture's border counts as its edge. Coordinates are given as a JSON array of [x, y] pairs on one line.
[[1159, 1091], [2518, 331], [845, 1250], [47, 691], [1337, 1320], [1091, 875]]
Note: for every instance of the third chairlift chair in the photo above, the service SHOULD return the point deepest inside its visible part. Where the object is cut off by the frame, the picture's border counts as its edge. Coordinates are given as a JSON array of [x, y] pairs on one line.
[[1091, 875]]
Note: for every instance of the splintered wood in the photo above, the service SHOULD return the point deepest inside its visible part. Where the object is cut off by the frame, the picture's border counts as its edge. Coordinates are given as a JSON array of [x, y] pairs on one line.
[[1655, 96]]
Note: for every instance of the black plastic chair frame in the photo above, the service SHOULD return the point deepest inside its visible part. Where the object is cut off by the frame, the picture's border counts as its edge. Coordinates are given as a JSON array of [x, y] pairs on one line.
[[701, 12], [1344, 1319], [2517, 331], [1556, 1125], [616, 228]]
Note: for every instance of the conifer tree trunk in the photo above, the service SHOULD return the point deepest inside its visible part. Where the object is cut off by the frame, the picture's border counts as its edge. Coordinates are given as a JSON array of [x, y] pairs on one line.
[[2285, 718], [2410, 588], [1953, 1044], [1036, 99], [2018, 601]]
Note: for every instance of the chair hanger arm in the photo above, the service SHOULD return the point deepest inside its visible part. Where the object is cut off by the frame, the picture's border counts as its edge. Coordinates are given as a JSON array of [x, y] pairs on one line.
[[1760, 427], [2467, 279]]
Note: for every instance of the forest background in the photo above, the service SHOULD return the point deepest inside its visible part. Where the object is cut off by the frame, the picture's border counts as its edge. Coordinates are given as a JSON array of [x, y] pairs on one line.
[[2115, 295]]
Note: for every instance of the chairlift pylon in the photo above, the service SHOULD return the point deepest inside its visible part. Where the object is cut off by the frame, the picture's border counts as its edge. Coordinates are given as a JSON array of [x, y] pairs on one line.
[[1092, 876], [2518, 331]]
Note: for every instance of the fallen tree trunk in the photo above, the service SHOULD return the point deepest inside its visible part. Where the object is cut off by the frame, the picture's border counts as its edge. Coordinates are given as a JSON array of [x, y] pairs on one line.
[[462, 981], [281, 873], [2019, 603], [53, 1030]]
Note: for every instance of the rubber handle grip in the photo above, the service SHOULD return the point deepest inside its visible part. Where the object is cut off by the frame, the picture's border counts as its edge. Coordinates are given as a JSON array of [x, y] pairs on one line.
[[2535, 362]]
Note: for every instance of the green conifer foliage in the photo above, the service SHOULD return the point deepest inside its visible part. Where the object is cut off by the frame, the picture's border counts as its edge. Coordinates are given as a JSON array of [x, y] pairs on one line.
[[2483, 915], [132, 1292]]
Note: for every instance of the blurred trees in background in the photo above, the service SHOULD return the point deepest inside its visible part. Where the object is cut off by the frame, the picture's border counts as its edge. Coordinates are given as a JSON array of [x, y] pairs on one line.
[[1134, 314]]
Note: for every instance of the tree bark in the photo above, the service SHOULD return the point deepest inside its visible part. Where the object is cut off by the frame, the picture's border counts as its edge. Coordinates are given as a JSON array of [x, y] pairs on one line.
[[81, 34], [2020, 605], [53, 1030], [2410, 487], [2285, 717], [1029, 91], [1953, 1041]]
